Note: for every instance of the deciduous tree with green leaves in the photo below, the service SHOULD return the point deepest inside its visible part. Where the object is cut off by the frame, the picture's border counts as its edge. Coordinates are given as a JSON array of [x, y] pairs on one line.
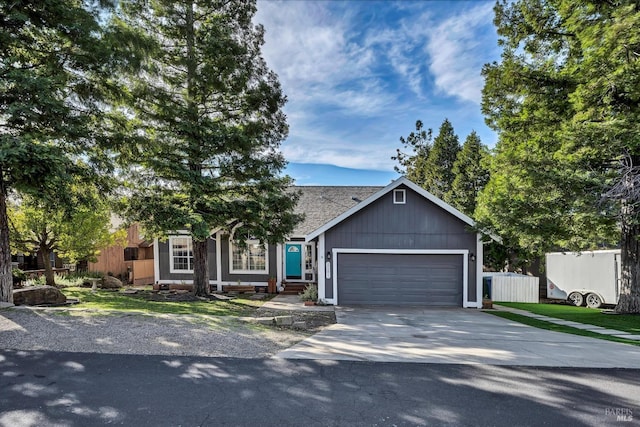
[[210, 113], [52, 56], [565, 101], [76, 234]]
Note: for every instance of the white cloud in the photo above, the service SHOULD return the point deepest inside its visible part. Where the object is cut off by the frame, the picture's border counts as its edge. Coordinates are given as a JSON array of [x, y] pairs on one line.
[[356, 84], [454, 46], [310, 50]]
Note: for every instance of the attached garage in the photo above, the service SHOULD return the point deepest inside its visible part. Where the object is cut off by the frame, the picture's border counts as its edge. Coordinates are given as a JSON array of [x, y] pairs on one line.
[[400, 246], [424, 279]]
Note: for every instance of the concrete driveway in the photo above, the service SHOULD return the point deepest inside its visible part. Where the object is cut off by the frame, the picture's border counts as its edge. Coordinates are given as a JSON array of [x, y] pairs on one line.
[[459, 336]]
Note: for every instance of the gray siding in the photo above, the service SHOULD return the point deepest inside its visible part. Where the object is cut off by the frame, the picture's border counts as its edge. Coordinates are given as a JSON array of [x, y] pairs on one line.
[[165, 266], [163, 260], [417, 224], [228, 277]]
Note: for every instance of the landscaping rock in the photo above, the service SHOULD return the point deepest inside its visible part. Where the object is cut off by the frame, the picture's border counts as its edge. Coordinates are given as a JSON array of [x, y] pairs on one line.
[[221, 297], [264, 320], [110, 282], [37, 295], [299, 325], [284, 320]]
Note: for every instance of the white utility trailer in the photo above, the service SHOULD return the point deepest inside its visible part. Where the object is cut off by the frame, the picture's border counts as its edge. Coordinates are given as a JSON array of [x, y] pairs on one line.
[[590, 277]]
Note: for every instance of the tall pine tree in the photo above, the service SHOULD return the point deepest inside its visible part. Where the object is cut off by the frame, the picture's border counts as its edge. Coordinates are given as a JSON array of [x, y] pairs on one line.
[[53, 61], [438, 169], [412, 164], [564, 99], [211, 122], [471, 174]]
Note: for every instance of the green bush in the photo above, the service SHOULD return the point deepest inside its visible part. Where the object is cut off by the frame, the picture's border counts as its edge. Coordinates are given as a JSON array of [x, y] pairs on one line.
[[310, 293], [18, 275]]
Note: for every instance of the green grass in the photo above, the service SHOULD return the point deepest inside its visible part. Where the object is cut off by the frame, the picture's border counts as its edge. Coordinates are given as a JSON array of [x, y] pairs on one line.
[[116, 301], [621, 322], [558, 328]]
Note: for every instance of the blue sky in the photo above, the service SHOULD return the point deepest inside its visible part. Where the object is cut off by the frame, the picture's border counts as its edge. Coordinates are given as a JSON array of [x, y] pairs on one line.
[[358, 74]]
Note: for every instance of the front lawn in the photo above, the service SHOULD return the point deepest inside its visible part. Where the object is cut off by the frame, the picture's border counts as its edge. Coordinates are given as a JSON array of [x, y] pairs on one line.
[[541, 324], [621, 322], [139, 303]]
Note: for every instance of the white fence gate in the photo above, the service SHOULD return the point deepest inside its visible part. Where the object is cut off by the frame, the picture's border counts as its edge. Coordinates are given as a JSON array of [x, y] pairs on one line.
[[516, 288]]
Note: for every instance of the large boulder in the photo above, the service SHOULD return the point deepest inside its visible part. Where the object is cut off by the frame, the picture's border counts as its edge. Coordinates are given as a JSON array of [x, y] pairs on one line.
[[110, 282], [37, 295]]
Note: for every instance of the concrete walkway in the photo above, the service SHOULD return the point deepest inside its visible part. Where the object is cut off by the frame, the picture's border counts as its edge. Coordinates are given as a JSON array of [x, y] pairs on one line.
[[292, 303], [583, 326], [454, 336]]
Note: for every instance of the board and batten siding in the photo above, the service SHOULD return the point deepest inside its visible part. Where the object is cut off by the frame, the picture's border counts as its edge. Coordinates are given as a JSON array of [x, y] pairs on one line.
[[417, 224]]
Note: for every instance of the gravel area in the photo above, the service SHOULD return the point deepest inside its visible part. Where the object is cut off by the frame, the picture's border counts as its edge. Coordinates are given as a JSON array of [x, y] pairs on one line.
[[208, 336]]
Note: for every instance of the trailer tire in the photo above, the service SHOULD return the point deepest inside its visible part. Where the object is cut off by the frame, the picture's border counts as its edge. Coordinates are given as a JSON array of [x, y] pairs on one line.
[[576, 299], [594, 301]]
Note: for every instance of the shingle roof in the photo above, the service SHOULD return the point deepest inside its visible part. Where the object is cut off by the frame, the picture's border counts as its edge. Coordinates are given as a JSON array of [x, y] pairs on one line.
[[321, 204]]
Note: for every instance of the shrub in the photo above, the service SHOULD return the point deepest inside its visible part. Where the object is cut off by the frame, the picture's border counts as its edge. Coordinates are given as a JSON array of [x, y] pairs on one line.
[[19, 276], [310, 293]]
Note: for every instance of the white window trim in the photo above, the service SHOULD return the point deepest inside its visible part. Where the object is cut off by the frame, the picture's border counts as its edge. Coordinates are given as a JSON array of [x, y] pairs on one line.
[[266, 259], [172, 269], [404, 196]]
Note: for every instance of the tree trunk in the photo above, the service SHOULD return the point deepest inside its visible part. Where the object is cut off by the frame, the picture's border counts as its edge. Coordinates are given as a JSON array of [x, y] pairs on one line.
[[629, 301], [50, 277], [200, 268], [6, 280]]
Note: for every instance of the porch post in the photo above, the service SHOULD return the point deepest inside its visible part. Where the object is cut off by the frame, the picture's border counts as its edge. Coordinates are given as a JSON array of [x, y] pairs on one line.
[[218, 261], [279, 263], [321, 268]]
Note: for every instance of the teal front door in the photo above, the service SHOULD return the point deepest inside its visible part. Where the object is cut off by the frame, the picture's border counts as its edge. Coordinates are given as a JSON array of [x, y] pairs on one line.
[[293, 261]]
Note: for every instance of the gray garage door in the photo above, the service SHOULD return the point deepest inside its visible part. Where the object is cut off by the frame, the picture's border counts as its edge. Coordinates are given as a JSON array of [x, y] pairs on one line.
[[377, 279]]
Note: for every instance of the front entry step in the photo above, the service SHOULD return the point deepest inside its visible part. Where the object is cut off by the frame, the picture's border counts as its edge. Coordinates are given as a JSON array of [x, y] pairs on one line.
[[294, 288]]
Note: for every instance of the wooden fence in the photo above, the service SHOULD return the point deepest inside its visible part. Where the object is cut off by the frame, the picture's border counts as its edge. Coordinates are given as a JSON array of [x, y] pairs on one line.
[[141, 271]]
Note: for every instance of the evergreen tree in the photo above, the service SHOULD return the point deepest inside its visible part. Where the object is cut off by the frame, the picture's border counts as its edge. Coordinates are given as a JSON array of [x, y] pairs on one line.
[[413, 165], [211, 122], [564, 99], [438, 168], [53, 58], [471, 174]]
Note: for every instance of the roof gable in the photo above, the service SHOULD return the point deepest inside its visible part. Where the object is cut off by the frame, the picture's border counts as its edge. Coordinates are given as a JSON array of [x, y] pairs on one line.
[[400, 181]]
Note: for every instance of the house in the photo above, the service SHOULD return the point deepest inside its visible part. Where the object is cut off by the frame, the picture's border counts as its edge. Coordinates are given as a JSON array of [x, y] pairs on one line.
[[397, 244], [133, 262]]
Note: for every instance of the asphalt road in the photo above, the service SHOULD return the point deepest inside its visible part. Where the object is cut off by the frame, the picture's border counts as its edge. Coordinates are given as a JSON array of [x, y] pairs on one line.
[[86, 389]]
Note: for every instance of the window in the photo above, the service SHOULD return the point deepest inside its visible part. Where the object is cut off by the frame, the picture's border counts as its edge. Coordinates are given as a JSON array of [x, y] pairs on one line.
[[399, 197], [181, 254], [130, 254], [250, 259]]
